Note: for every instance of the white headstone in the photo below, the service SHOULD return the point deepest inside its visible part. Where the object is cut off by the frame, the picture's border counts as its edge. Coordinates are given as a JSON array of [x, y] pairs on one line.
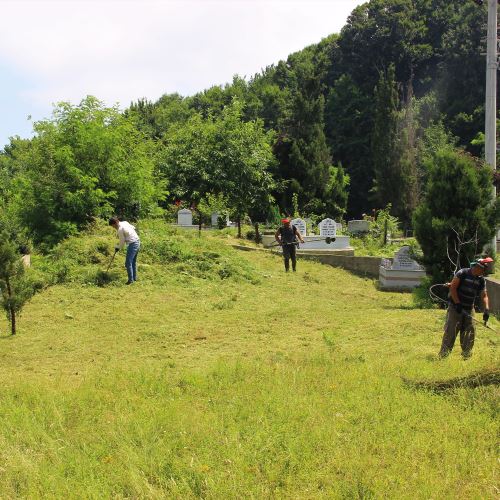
[[215, 219], [403, 260], [185, 217], [339, 227], [358, 226], [328, 227], [300, 224]]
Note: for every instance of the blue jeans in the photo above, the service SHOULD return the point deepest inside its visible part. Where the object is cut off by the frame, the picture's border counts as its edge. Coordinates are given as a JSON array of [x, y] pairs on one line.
[[131, 260]]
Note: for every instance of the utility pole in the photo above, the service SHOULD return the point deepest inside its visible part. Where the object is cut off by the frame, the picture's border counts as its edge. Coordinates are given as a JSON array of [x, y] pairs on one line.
[[491, 93]]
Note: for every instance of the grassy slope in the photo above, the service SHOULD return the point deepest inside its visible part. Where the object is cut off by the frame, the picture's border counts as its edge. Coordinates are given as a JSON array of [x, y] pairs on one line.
[[263, 384]]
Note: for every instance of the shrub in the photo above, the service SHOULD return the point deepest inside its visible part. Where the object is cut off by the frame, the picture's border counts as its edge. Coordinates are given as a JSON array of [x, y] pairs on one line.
[[456, 218], [16, 287]]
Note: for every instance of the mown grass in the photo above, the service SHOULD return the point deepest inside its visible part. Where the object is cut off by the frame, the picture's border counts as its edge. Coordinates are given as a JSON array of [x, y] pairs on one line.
[[245, 383]]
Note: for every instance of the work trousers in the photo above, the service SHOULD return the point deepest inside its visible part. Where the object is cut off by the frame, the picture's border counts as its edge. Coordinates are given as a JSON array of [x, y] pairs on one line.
[[290, 252], [455, 323], [131, 261]]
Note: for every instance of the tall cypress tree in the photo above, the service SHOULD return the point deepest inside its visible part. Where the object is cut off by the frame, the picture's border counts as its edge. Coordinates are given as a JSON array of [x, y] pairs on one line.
[[303, 152], [387, 178], [348, 125]]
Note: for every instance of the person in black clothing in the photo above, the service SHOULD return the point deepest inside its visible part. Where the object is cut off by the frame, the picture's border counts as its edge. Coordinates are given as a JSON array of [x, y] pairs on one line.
[[466, 285], [287, 236]]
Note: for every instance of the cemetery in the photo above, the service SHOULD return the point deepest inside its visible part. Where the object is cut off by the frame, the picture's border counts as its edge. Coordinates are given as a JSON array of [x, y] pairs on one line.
[[280, 285]]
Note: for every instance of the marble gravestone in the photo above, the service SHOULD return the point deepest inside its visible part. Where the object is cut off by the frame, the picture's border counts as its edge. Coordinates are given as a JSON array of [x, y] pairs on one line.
[[328, 227], [403, 261], [315, 243], [300, 224], [184, 217], [403, 273], [358, 226], [215, 219]]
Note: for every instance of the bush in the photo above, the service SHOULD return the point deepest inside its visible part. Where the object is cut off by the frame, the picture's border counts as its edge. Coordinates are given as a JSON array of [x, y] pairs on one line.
[[456, 218]]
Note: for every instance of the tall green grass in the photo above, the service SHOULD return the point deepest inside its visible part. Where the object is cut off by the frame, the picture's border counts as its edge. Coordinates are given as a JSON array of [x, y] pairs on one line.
[[85, 259]]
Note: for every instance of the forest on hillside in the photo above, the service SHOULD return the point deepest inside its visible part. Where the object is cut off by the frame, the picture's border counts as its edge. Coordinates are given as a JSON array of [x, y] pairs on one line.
[[349, 125]]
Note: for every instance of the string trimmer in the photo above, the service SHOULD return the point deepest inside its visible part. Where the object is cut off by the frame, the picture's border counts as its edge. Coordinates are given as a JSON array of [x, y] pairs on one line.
[[436, 297], [327, 240], [112, 259]]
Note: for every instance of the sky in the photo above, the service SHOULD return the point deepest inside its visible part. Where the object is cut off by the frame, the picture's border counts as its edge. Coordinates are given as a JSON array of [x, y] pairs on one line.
[[123, 50]]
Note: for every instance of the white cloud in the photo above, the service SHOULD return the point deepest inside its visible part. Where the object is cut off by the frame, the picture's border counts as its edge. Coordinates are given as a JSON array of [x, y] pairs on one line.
[[123, 50]]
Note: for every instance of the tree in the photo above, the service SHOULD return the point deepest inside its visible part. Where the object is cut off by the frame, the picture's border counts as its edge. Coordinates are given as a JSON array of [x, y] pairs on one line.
[[303, 153], [245, 164], [456, 209], [461, 83], [387, 176], [87, 161], [220, 155], [383, 32], [337, 193], [187, 162], [15, 287], [348, 126]]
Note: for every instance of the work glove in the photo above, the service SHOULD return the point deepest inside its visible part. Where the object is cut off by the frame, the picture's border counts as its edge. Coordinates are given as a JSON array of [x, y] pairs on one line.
[[486, 315], [458, 307]]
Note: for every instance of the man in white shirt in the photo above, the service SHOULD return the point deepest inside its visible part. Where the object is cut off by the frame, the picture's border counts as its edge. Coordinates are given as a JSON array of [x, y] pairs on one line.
[[127, 235]]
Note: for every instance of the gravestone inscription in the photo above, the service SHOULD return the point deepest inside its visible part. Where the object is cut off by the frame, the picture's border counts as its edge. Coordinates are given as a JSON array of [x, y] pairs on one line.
[[300, 224], [328, 227], [403, 260]]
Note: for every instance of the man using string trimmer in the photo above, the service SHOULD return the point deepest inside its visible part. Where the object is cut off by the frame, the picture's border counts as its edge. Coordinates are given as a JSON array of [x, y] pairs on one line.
[[287, 236], [467, 284]]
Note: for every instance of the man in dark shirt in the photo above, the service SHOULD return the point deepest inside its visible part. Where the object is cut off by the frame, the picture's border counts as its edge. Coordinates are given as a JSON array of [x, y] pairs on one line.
[[466, 285], [287, 236]]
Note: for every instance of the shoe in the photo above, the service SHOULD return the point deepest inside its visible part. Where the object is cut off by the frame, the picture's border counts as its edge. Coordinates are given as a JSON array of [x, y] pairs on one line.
[[129, 282]]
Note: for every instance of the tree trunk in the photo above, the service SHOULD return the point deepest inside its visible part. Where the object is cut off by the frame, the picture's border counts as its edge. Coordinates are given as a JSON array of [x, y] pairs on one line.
[[12, 321], [12, 312], [257, 234], [239, 226], [199, 224]]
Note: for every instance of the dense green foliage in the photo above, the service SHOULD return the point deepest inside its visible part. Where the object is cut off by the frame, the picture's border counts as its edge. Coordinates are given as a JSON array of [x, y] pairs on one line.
[[456, 218], [87, 161], [338, 129], [221, 155], [324, 107]]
